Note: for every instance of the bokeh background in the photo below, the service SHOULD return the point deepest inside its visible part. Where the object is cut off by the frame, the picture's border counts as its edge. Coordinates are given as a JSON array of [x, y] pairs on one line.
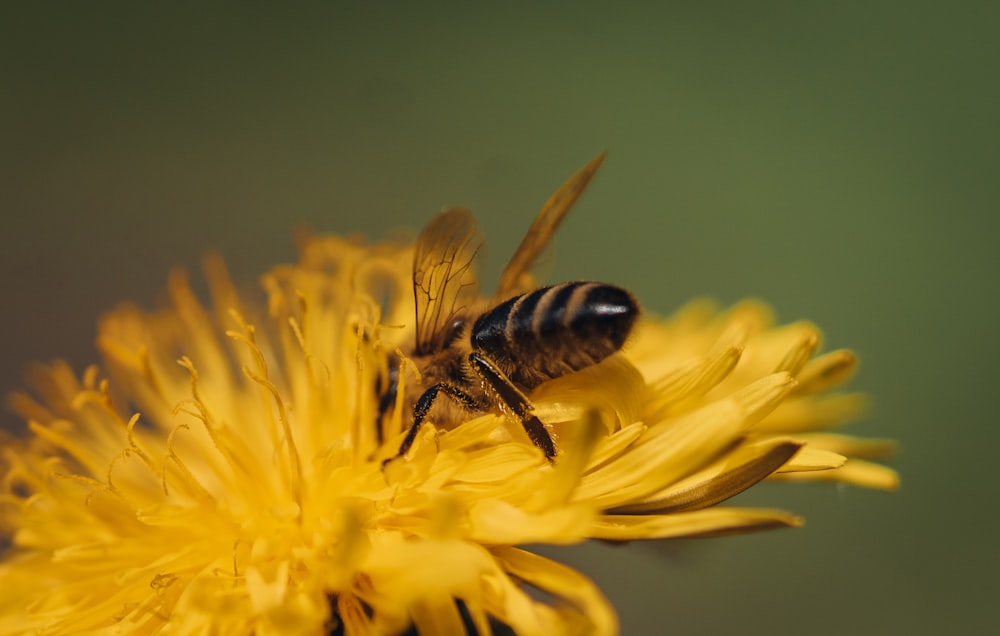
[[837, 159]]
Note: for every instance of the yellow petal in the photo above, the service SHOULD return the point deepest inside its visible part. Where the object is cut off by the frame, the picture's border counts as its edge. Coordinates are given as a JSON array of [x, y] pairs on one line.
[[848, 445], [675, 449], [827, 371], [805, 342], [801, 414], [812, 459], [665, 454], [437, 616], [584, 611], [574, 460], [735, 473], [614, 387], [610, 448], [398, 568], [857, 472], [710, 522], [688, 383], [498, 522]]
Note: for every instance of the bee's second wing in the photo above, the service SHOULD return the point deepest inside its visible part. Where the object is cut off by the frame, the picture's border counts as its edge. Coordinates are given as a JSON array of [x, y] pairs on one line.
[[515, 275], [444, 277]]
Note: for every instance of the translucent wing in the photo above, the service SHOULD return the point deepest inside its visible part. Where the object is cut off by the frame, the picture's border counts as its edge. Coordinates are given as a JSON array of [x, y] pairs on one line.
[[444, 279], [515, 277]]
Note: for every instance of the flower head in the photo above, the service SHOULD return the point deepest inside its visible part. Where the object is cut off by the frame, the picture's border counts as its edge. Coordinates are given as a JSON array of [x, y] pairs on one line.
[[223, 471]]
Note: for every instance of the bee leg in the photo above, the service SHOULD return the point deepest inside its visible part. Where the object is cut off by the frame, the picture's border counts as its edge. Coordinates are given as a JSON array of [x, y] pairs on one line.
[[421, 408], [386, 401], [516, 401]]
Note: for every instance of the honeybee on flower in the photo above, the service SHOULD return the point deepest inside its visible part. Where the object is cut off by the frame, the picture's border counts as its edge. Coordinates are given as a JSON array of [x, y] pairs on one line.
[[267, 467], [488, 354]]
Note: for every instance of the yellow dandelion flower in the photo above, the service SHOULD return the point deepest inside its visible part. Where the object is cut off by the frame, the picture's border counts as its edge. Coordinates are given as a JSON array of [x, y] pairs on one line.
[[235, 467]]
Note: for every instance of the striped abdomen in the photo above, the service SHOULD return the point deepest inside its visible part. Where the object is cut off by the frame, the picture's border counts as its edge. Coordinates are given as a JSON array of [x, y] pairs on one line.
[[555, 330]]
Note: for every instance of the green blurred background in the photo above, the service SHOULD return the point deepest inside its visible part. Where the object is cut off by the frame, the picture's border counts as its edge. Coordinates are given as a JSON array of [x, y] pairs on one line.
[[837, 159]]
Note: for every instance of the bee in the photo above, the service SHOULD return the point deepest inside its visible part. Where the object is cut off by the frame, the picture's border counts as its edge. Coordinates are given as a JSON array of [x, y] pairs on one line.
[[486, 355]]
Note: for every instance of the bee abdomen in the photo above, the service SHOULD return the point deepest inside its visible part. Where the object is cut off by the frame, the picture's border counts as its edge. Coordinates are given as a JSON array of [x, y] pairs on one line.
[[552, 331]]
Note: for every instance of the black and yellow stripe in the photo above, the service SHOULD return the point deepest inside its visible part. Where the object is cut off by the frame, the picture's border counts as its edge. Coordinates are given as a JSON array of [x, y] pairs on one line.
[[552, 331]]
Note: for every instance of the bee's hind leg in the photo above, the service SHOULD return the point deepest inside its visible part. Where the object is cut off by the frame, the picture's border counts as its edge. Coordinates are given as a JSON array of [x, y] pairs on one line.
[[516, 401]]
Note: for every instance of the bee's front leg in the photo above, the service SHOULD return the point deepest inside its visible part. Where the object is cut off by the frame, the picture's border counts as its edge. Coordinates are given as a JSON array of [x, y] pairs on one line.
[[423, 406]]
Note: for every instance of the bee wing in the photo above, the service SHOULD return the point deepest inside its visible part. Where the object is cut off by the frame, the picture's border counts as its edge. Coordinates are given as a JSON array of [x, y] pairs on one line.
[[444, 277], [515, 276]]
